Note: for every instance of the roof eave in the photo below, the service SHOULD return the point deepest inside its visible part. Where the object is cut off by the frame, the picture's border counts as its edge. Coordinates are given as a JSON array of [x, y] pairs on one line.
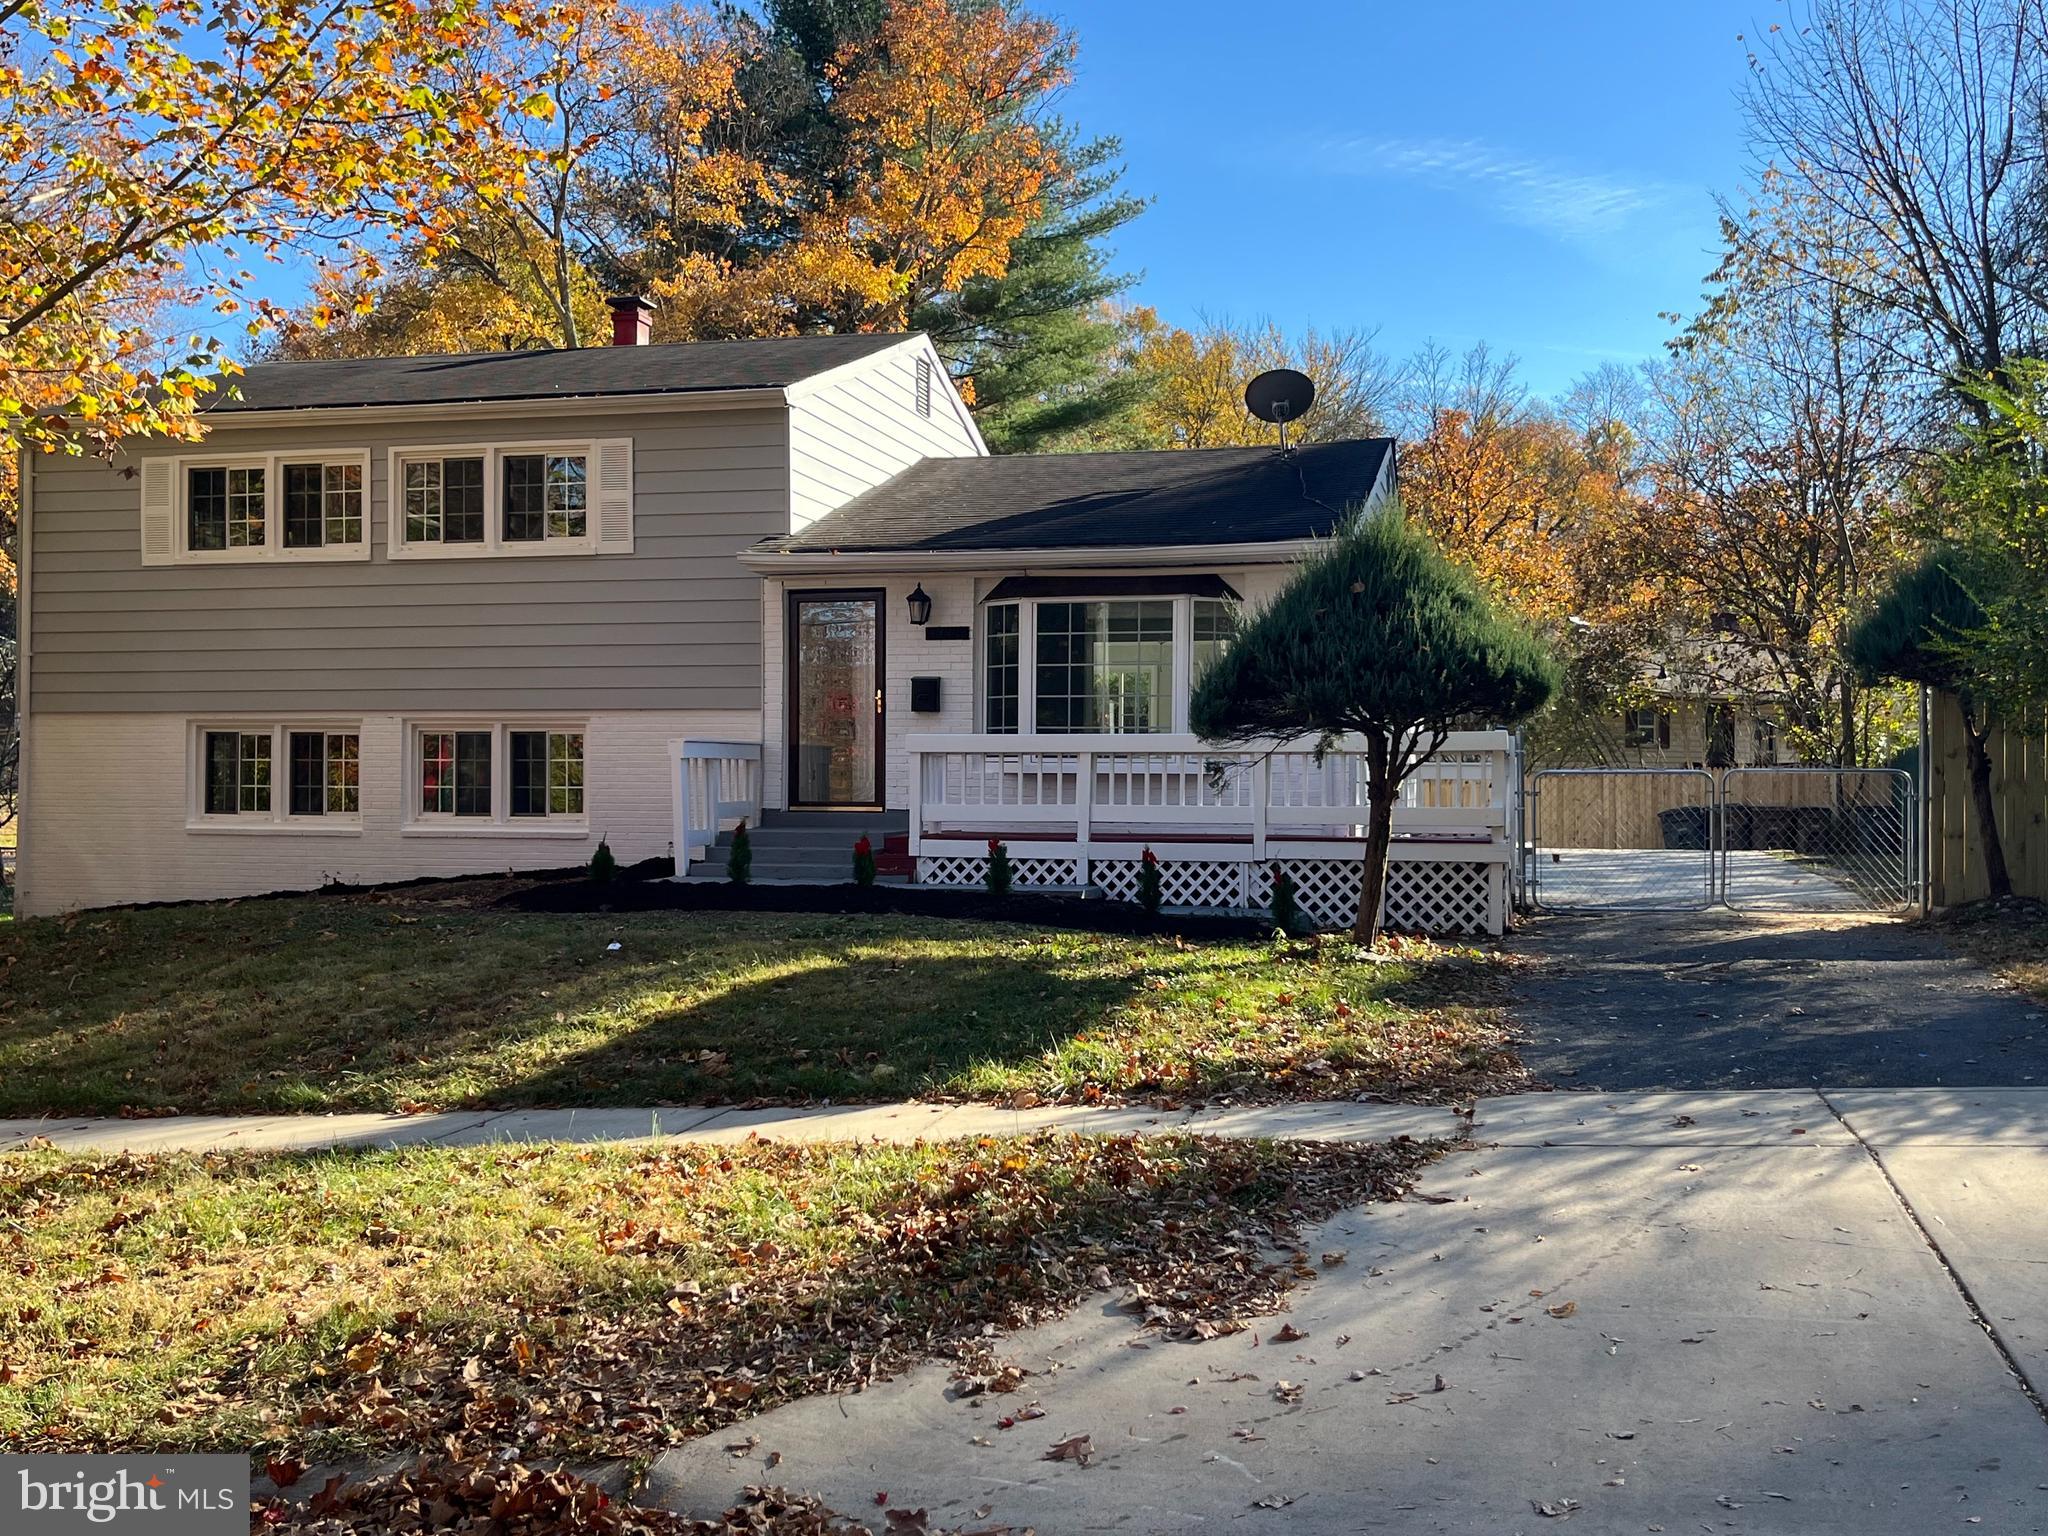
[[770, 562], [775, 397]]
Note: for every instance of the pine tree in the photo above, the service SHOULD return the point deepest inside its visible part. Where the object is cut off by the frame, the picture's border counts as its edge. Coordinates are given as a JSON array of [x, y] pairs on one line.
[[1380, 636], [739, 859]]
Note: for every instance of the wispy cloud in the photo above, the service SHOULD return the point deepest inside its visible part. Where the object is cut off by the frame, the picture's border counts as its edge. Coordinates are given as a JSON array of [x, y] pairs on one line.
[[1538, 193]]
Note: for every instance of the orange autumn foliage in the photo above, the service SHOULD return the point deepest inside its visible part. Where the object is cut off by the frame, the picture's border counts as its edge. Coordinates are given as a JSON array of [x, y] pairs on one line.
[[944, 167]]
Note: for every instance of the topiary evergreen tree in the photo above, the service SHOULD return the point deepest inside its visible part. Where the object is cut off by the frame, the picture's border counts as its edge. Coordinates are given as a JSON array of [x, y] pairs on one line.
[[739, 859], [999, 872], [1148, 882], [1921, 631], [863, 861], [1377, 635], [603, 867], [1286, 906]]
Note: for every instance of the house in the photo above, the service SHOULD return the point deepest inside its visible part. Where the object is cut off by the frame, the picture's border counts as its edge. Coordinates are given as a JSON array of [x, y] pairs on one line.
[[444, 615]]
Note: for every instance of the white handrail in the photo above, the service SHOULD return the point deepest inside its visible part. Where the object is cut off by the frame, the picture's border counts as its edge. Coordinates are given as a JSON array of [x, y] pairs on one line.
[[1074, 787], [716, 784]]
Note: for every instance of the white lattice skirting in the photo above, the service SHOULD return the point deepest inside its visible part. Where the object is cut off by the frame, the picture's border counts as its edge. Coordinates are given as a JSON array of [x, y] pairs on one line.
[[1423, 895]]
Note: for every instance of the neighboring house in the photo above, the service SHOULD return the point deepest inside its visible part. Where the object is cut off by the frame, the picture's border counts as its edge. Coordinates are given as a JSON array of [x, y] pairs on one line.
[[1677, 731], [445, 615]]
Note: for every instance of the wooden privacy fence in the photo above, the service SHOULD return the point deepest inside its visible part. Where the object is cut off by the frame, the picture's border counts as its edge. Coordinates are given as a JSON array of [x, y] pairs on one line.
[[2019, 785], [1672, 808]]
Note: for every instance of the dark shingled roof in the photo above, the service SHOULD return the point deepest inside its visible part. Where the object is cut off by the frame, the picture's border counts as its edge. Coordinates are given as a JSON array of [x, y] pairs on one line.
[[555, 373], [1104, 500]]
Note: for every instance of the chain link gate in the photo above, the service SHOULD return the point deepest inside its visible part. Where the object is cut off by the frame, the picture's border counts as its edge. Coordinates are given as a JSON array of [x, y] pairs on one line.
[[1621, 840], [1817, 839], [1752, 839]]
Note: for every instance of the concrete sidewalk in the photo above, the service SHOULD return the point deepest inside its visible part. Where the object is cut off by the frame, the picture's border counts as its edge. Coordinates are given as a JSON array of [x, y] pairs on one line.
[[1765, 1312], [855, 1122]]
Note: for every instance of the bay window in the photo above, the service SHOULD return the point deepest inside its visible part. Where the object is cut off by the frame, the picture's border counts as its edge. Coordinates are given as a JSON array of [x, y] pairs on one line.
[[1117, 666]]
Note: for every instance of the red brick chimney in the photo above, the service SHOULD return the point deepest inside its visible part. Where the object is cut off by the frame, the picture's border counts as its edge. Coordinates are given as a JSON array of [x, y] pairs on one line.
[[632, 319]]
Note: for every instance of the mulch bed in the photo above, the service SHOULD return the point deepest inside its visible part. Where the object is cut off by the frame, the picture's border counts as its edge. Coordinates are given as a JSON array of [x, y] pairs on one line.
[[1039, 911]]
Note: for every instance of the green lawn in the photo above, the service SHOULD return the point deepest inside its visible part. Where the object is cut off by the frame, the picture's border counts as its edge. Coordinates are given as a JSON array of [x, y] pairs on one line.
[[430, 998], [600, 1302]]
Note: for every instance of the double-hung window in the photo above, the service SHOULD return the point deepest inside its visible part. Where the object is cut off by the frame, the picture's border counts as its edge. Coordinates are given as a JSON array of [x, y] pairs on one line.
[[276, 776], [545, 496], [483, 777], [279, 506]]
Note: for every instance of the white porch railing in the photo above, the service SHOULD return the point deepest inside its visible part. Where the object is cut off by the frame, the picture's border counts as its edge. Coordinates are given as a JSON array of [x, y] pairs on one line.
[[716, 783], [1080, 790]]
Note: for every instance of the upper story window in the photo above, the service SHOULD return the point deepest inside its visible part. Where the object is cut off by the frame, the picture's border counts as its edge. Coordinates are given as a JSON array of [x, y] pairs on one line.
[[514, 499], [1121, 666], [256, 507]]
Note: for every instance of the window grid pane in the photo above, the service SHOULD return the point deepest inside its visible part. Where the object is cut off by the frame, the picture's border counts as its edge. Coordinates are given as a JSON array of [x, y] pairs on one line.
[[565, 773], [1214, 626], [222, 772], [206, 507], [472, 773], [342, 503], [302, 520], [245, 508], [525, 497], [422, 501], [1000, 669], [462, 497], [528, 766], [1105, 667], [253, 775], [437, 773], [344, 777]]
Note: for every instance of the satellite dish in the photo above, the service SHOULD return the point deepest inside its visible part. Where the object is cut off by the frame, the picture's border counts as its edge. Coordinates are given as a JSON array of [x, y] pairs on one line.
[[1280, 395]]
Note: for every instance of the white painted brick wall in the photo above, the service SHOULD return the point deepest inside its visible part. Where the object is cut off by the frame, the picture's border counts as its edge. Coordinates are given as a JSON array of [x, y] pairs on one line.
[[116, 831]]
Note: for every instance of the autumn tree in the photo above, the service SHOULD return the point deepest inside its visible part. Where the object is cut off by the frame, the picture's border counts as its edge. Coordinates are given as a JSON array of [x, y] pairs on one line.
[[1783, 443], [1193, 382], [942, 153], [157, 148], [1909, 134]]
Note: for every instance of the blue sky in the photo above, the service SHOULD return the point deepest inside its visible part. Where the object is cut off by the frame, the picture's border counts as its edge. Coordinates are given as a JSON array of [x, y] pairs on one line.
[[1537, 176]]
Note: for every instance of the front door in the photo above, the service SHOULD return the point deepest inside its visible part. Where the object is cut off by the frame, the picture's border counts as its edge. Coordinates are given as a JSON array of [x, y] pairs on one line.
[[835, 698]]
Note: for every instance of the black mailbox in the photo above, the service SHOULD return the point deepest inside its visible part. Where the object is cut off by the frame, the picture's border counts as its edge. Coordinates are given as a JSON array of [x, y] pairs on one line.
[[924, 695]]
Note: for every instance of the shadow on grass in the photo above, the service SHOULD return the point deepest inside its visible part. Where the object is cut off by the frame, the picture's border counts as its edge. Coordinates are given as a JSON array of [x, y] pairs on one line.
[[353, 1004]]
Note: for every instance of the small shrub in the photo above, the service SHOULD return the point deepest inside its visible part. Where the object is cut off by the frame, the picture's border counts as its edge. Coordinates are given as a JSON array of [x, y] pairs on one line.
[[999, 872], [739, 862], [1148, 882], [603, 867], [1286, 909], [863, 862]]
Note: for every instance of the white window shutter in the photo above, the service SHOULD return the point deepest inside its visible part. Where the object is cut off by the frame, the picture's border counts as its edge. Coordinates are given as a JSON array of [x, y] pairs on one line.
[[615, 496], [159, 511]]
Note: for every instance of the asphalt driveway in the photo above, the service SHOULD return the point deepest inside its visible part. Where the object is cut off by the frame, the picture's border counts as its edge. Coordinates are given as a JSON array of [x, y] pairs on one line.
[[1721, 999]]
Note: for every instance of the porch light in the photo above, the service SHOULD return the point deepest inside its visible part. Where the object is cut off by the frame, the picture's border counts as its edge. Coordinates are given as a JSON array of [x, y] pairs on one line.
[[920, 605]]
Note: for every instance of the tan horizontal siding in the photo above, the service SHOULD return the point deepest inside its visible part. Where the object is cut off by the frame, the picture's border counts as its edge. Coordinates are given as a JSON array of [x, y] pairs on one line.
[[485, 695], [674, 625]]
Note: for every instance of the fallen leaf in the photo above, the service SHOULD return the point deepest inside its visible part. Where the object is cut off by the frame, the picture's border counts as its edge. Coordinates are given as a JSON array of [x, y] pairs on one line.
[[1557, 1509], [1079, 1449], [1563, 1309], [1275, 1500]]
